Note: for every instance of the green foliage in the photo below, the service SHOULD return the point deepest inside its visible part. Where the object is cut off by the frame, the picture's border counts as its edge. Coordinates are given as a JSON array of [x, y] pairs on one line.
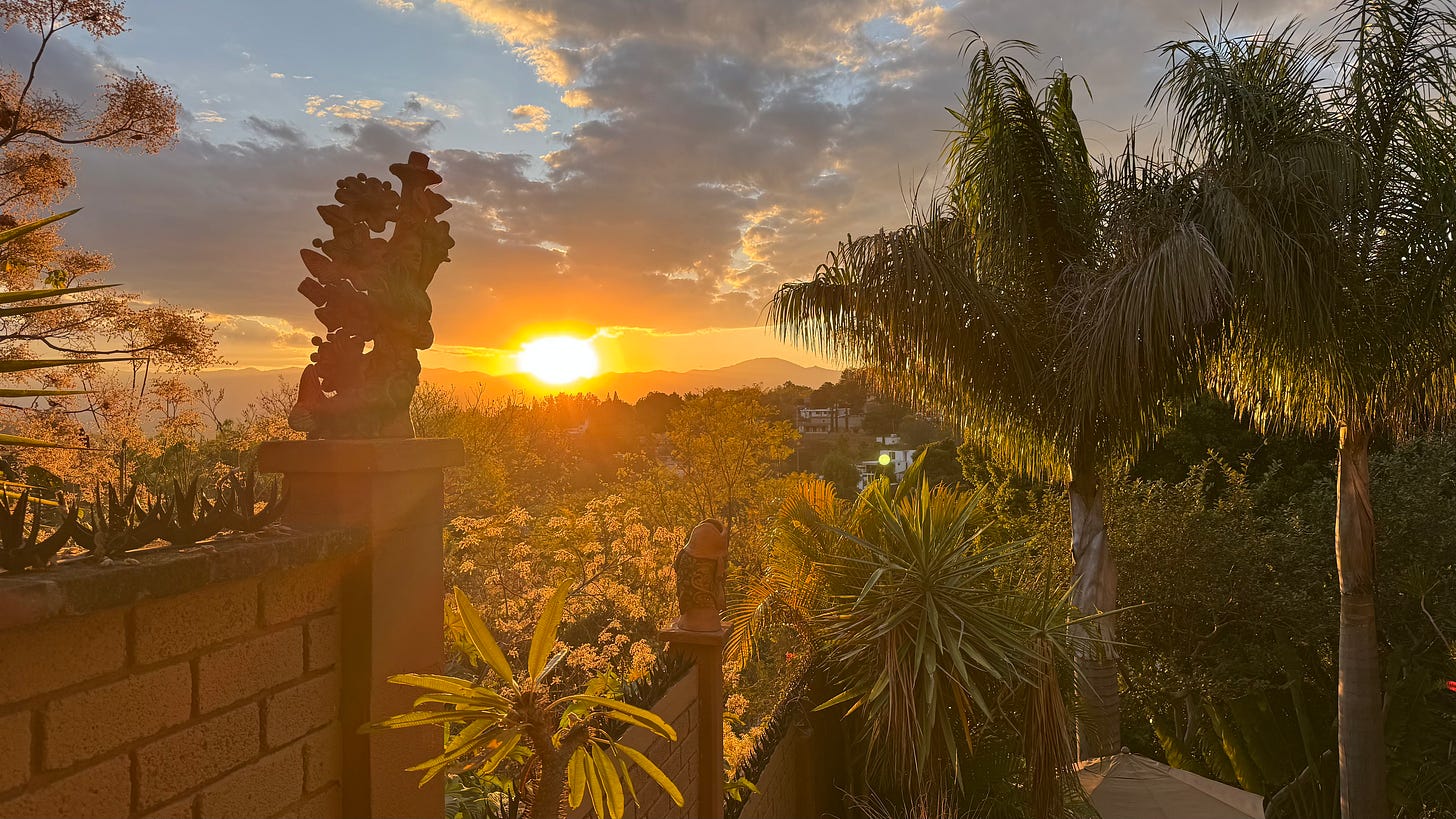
[[918, 620], [511, 718], [1230, 666]]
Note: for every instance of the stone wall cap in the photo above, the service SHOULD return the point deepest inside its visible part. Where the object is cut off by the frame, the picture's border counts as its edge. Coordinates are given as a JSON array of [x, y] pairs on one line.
[[360, 455], [83, 586]]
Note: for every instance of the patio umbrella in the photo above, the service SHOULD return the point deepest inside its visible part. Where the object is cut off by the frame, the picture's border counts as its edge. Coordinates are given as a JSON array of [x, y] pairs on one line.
[[1128, 786]]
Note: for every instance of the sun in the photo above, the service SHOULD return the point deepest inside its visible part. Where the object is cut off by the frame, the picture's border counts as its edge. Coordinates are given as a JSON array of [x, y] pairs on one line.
[[558, 359]]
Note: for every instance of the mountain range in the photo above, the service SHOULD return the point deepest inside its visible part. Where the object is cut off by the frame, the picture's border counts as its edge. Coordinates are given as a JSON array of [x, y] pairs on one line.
[[241, 385]]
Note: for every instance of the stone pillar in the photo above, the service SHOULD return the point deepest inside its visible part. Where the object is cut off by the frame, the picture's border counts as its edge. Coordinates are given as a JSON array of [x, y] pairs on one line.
[[391, 490], [705, 650]]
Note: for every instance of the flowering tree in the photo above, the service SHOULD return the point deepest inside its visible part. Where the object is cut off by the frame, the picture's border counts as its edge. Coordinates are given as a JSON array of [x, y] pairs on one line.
[[38, 130]]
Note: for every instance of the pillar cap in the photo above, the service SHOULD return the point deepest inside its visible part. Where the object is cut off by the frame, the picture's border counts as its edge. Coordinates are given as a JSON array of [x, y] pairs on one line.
[[360, 455], [680, 636]]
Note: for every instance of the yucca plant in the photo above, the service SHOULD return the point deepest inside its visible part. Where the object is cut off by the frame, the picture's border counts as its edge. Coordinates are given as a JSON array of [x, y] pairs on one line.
[[568, 753], [905, 603]]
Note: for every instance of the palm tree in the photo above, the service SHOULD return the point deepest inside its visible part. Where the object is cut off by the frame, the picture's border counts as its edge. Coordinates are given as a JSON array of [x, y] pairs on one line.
[[912, 615], [1325, 180], [973, 310]]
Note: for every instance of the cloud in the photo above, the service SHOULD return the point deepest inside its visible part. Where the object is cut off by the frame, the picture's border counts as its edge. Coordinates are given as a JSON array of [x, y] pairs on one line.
[[397, 5], [335, 106], [715, 150], [275, 75], [530, 117], [419, 103], [209, 116]]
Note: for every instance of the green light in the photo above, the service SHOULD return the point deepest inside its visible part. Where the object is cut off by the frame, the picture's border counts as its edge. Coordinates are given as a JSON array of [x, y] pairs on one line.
[[885, 459]]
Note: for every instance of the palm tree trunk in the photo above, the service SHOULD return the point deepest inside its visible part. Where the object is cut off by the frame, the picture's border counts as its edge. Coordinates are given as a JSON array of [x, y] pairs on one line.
[[1095, 590], [1362, 729]]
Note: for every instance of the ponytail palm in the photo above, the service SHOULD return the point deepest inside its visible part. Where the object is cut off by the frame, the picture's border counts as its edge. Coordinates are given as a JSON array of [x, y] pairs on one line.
[[974, 311], [1326, 183]]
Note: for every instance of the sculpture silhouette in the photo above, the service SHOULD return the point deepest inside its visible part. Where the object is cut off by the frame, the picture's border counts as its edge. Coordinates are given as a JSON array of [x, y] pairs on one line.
[[370, 292]]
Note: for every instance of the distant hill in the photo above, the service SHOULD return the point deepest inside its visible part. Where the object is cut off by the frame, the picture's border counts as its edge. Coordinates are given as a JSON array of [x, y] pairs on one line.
[[240, 386]]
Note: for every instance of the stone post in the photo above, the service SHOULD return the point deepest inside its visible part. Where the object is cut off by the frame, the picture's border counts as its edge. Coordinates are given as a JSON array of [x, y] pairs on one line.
[[391, 490], [705, 650]]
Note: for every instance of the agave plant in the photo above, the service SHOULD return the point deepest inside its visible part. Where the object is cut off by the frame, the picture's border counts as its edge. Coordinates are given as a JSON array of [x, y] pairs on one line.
[[186, 515], [118, 523], [567, 750], [238, 502], [22, 547]]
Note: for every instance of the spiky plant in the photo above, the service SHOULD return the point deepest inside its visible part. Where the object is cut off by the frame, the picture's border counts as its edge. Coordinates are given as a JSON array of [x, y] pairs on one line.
[[21, 546], [560, 741]]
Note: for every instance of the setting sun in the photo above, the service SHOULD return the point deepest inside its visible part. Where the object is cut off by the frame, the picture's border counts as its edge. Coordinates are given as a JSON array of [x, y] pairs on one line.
[[558, 359]]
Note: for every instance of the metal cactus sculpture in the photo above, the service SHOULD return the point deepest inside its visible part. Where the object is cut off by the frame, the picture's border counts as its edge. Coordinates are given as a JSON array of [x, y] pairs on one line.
[[371, 291]]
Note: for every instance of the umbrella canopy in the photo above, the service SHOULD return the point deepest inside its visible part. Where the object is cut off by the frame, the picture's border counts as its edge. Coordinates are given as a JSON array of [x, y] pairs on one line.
[[1128, 786]]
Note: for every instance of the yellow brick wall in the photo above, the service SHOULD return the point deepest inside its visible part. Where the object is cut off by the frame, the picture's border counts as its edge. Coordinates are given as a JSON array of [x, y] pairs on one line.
[[222, 701]]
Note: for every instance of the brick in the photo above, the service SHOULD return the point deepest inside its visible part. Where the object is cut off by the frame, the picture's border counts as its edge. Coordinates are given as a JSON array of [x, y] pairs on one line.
[[326, 804], [293, 712], [107, 717], [181, 809], [296, 593], [324, 642], [63, 652], [261, 789], [195, 755], [245, 669], [14, 750], [187, 622], [101, 790], [323, 758]]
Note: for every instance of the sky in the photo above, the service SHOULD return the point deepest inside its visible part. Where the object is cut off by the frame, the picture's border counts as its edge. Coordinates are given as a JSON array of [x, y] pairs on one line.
[[643, 172]]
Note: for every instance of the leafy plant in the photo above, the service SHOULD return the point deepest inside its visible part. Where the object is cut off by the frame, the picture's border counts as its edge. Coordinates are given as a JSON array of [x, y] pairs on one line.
[[559, 744], [22, 547]]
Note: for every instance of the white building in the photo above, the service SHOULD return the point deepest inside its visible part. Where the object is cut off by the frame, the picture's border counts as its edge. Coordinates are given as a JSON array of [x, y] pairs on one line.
[[898, 460]]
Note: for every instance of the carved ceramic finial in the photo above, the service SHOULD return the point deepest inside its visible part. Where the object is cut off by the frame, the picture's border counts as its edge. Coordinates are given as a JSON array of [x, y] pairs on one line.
[[371, 291], [701, 567]]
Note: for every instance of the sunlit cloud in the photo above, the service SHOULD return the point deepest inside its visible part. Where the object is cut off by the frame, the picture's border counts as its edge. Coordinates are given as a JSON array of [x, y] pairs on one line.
[[530, 117], [397, 5], [576, 98], [337, 107], [275, 75], [209, 116]]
